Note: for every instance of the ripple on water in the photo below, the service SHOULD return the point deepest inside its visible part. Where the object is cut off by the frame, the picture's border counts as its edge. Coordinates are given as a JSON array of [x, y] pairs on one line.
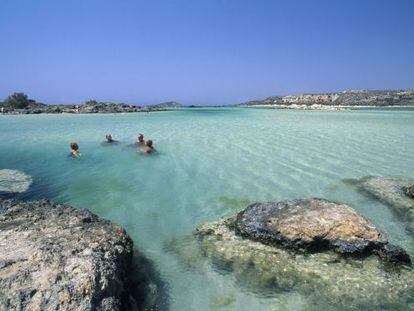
[[210, 164]]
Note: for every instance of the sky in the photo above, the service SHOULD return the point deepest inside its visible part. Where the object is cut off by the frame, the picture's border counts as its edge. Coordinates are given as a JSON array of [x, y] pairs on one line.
[[197, 52]]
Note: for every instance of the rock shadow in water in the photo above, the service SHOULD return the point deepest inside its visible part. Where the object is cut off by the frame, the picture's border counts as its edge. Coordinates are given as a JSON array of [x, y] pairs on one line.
[[187, 252], [148, 289]]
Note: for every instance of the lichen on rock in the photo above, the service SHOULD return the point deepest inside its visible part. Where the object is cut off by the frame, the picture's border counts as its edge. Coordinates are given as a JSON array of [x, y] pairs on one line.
[[56, 257], [314, 224]]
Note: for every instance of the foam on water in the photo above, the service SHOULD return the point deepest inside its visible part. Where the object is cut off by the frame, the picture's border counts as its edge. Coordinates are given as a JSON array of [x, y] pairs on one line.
[[210, 163]]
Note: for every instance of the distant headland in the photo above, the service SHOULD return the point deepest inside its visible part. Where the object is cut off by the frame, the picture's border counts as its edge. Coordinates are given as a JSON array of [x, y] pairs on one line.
[[19, 103], [339, 101]]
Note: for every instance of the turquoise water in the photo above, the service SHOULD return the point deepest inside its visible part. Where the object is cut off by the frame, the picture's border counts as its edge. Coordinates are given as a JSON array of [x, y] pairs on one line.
[[210, 163]]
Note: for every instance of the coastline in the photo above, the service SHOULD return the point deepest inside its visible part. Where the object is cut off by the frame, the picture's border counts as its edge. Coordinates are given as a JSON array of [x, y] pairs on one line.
[[325, 107], [157, 109], [59, 110]]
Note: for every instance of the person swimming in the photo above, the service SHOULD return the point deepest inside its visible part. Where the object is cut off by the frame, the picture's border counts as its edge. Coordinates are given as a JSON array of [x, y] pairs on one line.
[[74, 149], [148, 147], [109, 138], [140, 140]]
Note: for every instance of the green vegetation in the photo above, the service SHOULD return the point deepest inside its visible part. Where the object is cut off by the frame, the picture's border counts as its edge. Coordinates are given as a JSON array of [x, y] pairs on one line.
[[91, 102], [17, 101]]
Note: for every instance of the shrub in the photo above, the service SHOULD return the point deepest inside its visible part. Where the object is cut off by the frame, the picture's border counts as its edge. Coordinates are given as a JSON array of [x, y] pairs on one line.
[[17, 100]]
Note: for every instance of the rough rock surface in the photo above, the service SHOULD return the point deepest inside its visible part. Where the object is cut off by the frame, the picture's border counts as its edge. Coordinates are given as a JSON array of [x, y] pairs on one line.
[[325, 280], [314, 224], [394, 192], [12, 181], [56, 257], [409, 191]]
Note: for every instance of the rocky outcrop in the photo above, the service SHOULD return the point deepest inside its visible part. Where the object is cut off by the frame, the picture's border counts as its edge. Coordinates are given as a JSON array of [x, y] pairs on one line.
[[395, 192], [322, 250], [56, 257], [326, 279], [102, 107], [12, 181], [409, 191], [356, 98], [170, 104], [314, 224]]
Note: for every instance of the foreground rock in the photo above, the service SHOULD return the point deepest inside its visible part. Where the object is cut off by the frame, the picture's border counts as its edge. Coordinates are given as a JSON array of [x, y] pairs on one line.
[[55, 257], [395, 192], [315, 224], [12, 181], [326, 280], [323, 251]]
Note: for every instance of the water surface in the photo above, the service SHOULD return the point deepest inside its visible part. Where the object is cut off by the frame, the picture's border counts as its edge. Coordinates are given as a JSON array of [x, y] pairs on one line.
[[210, 163]]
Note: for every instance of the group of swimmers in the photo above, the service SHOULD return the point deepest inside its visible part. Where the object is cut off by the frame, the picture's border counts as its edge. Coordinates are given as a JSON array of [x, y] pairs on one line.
[[147, 145]]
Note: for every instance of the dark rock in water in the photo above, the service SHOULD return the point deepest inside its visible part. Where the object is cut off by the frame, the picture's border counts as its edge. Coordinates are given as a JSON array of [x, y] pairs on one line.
[[56, 257], [409, 191], [313, 224], [394, 253], [12, 181]]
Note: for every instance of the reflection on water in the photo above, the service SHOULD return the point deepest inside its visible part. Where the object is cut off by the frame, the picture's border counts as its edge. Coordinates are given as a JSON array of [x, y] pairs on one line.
[[211, 163]]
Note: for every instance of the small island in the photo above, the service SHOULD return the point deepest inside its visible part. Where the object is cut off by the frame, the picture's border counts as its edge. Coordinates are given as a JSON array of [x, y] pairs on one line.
[[20, 103]]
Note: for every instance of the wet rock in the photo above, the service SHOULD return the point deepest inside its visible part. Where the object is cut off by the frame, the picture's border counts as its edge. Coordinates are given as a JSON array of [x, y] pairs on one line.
[[395, 192], [314, 224], [326, 279], [409, 191], [55, 257], [12, 181]]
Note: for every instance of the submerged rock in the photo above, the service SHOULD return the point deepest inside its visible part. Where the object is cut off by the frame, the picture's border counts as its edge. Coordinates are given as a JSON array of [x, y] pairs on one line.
[[314, 224], [56, 257], [409, 191], [395, 192], [12, 181], [392, 191], [328, 280]]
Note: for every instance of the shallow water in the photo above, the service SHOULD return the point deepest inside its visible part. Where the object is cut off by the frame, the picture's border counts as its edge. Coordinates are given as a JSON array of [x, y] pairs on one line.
[[210, 163]]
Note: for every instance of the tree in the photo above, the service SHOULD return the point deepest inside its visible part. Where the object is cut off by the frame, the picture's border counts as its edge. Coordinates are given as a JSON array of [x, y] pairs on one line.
[[91, 102], [17, 100]]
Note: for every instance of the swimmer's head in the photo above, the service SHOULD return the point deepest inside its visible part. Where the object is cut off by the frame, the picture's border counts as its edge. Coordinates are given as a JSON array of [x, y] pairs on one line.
[[74, 145], [109, 137], [140, 137], [148, 143]]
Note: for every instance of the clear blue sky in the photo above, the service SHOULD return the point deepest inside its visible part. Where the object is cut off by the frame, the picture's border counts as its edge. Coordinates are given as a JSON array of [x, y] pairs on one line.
[[202, 52]]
